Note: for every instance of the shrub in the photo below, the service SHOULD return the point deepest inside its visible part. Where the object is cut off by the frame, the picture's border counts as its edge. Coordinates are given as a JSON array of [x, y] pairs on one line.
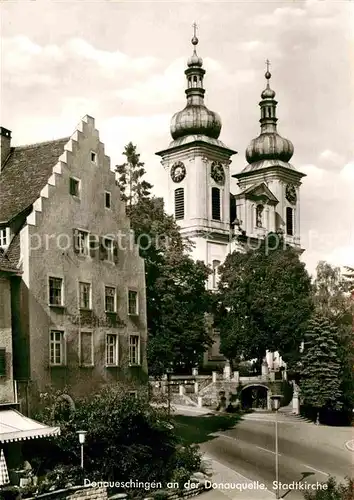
[[126, 437], [10, 493], [334, 491]]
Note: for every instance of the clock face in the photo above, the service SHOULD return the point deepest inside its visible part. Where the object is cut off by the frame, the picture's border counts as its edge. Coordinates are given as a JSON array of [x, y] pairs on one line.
[[217, 173], [290, 194], [178, 171]]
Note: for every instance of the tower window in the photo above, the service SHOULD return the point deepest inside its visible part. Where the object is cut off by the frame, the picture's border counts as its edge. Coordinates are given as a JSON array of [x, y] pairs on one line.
[[179, 204], [269, 112], [289, 221], [215, 203]]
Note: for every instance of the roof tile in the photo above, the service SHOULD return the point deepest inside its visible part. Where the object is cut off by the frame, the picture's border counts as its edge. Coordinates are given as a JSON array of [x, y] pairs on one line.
[[25, 174]]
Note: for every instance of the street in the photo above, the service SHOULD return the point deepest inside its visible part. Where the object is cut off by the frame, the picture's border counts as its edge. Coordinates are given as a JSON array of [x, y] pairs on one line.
[[306, 452]]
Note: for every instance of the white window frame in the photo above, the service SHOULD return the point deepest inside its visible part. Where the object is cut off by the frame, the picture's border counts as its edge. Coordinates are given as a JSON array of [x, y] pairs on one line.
[[136, 313], [116, 349], [90, 295], [78, 189], [62, 344], [4, 237], [92, 350], [115, 299], [138, 362], [110, 200], [62, 302], [133, 394], [82, 250], [93, 157]]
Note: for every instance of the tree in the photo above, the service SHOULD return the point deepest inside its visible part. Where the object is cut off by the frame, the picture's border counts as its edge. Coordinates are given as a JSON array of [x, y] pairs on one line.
[[331, 299], [177, 299], [321, 370], [132, 186], [330, 292], [333, 491], [267, 293]]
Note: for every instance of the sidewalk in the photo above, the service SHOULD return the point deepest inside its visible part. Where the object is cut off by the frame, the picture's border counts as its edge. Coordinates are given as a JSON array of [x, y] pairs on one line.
[[228, 484]]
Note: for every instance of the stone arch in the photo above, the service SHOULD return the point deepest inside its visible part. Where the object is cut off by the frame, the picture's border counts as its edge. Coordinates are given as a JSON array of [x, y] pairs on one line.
[[67, 401], [263, 393]]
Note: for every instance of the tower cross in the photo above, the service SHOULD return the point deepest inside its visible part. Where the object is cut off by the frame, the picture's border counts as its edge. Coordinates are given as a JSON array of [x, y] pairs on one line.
[[268, 64], [195, 27]]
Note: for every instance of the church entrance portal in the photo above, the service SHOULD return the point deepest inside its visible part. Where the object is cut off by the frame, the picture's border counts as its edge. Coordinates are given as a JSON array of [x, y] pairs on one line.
[[254, 396]]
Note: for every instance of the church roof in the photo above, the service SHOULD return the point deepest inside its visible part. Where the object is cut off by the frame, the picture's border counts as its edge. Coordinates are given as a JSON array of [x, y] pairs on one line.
[[24, 175], [267, 164], [193, 138]]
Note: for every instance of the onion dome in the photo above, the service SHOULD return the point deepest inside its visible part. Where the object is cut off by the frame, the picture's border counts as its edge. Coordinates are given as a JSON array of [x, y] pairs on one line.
[[195, 118], [269, 145]]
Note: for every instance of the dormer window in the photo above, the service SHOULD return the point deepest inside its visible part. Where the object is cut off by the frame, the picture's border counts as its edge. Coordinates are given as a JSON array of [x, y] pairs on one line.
[[4, 237]]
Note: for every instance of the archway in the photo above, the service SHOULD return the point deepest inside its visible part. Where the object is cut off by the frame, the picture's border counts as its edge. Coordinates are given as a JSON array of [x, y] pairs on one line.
[[254, 397]]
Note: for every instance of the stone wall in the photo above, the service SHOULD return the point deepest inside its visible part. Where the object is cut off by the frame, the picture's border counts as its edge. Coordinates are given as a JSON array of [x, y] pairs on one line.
[[88, 494], [75, 493], [6, 381]]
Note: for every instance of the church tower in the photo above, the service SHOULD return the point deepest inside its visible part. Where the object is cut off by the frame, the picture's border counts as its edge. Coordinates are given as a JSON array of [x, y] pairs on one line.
[[197, 164], [269, 198]]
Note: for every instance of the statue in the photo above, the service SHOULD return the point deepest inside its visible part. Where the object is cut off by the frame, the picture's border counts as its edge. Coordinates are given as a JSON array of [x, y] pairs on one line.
[[259, 212]]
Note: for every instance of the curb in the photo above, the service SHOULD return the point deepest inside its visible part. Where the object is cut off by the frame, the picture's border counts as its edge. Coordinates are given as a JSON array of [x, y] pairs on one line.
[[350, 445]]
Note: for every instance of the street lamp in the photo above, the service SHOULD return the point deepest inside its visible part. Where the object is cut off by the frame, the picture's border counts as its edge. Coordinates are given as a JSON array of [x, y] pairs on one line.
[[169, 370], [276, 405], [82, 437]]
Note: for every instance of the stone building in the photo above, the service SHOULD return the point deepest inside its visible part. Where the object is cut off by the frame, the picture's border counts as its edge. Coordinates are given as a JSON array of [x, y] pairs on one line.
[[199, 194], [78, 307]]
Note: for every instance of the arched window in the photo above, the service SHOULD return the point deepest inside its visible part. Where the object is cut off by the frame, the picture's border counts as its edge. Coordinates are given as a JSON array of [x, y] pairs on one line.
[[215, 203], [289, 221], [216, 264], [179, 204]]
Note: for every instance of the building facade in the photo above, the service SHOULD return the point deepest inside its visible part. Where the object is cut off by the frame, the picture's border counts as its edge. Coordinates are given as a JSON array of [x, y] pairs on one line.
[[197, 163], [78, 310]]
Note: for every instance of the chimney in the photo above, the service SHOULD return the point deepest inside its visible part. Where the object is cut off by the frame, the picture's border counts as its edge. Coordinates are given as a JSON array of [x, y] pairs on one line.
[[5, 145]]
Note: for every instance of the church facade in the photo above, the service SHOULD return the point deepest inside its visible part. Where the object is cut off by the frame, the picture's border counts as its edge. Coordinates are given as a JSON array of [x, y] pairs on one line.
[[199, 195]]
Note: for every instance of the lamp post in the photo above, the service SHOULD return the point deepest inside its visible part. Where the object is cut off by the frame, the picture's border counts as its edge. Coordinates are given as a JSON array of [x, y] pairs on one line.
[[276, 405], [82, 437], [169, 370]]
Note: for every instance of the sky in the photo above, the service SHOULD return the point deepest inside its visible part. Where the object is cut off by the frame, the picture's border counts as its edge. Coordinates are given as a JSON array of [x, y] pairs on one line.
[[123, 63]]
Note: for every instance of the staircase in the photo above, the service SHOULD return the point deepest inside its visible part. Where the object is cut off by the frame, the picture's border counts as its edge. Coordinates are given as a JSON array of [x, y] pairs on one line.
[[287, 411], [211, 393]]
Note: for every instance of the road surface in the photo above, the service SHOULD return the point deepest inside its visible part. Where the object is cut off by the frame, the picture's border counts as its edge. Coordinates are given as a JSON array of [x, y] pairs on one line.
[[307, 453]]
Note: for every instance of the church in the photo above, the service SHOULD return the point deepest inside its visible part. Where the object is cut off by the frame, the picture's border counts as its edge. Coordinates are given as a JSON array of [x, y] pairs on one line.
[[199, 194]]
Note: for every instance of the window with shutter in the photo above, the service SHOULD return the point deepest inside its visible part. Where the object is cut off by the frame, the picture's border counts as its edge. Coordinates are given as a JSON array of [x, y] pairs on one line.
[[2, 362], [94, 244], [215, 203], [179, 204], [289, 221]]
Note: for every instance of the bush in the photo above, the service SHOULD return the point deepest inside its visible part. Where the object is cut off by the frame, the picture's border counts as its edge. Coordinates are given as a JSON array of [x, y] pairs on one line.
[[126, 437], [334, 491], [10, 493]]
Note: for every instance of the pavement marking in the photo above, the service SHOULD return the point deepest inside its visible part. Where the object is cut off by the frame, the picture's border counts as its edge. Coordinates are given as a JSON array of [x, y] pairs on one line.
[[279, 421], [269, 451], [316, 470], [350, 445], [208, 457]]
